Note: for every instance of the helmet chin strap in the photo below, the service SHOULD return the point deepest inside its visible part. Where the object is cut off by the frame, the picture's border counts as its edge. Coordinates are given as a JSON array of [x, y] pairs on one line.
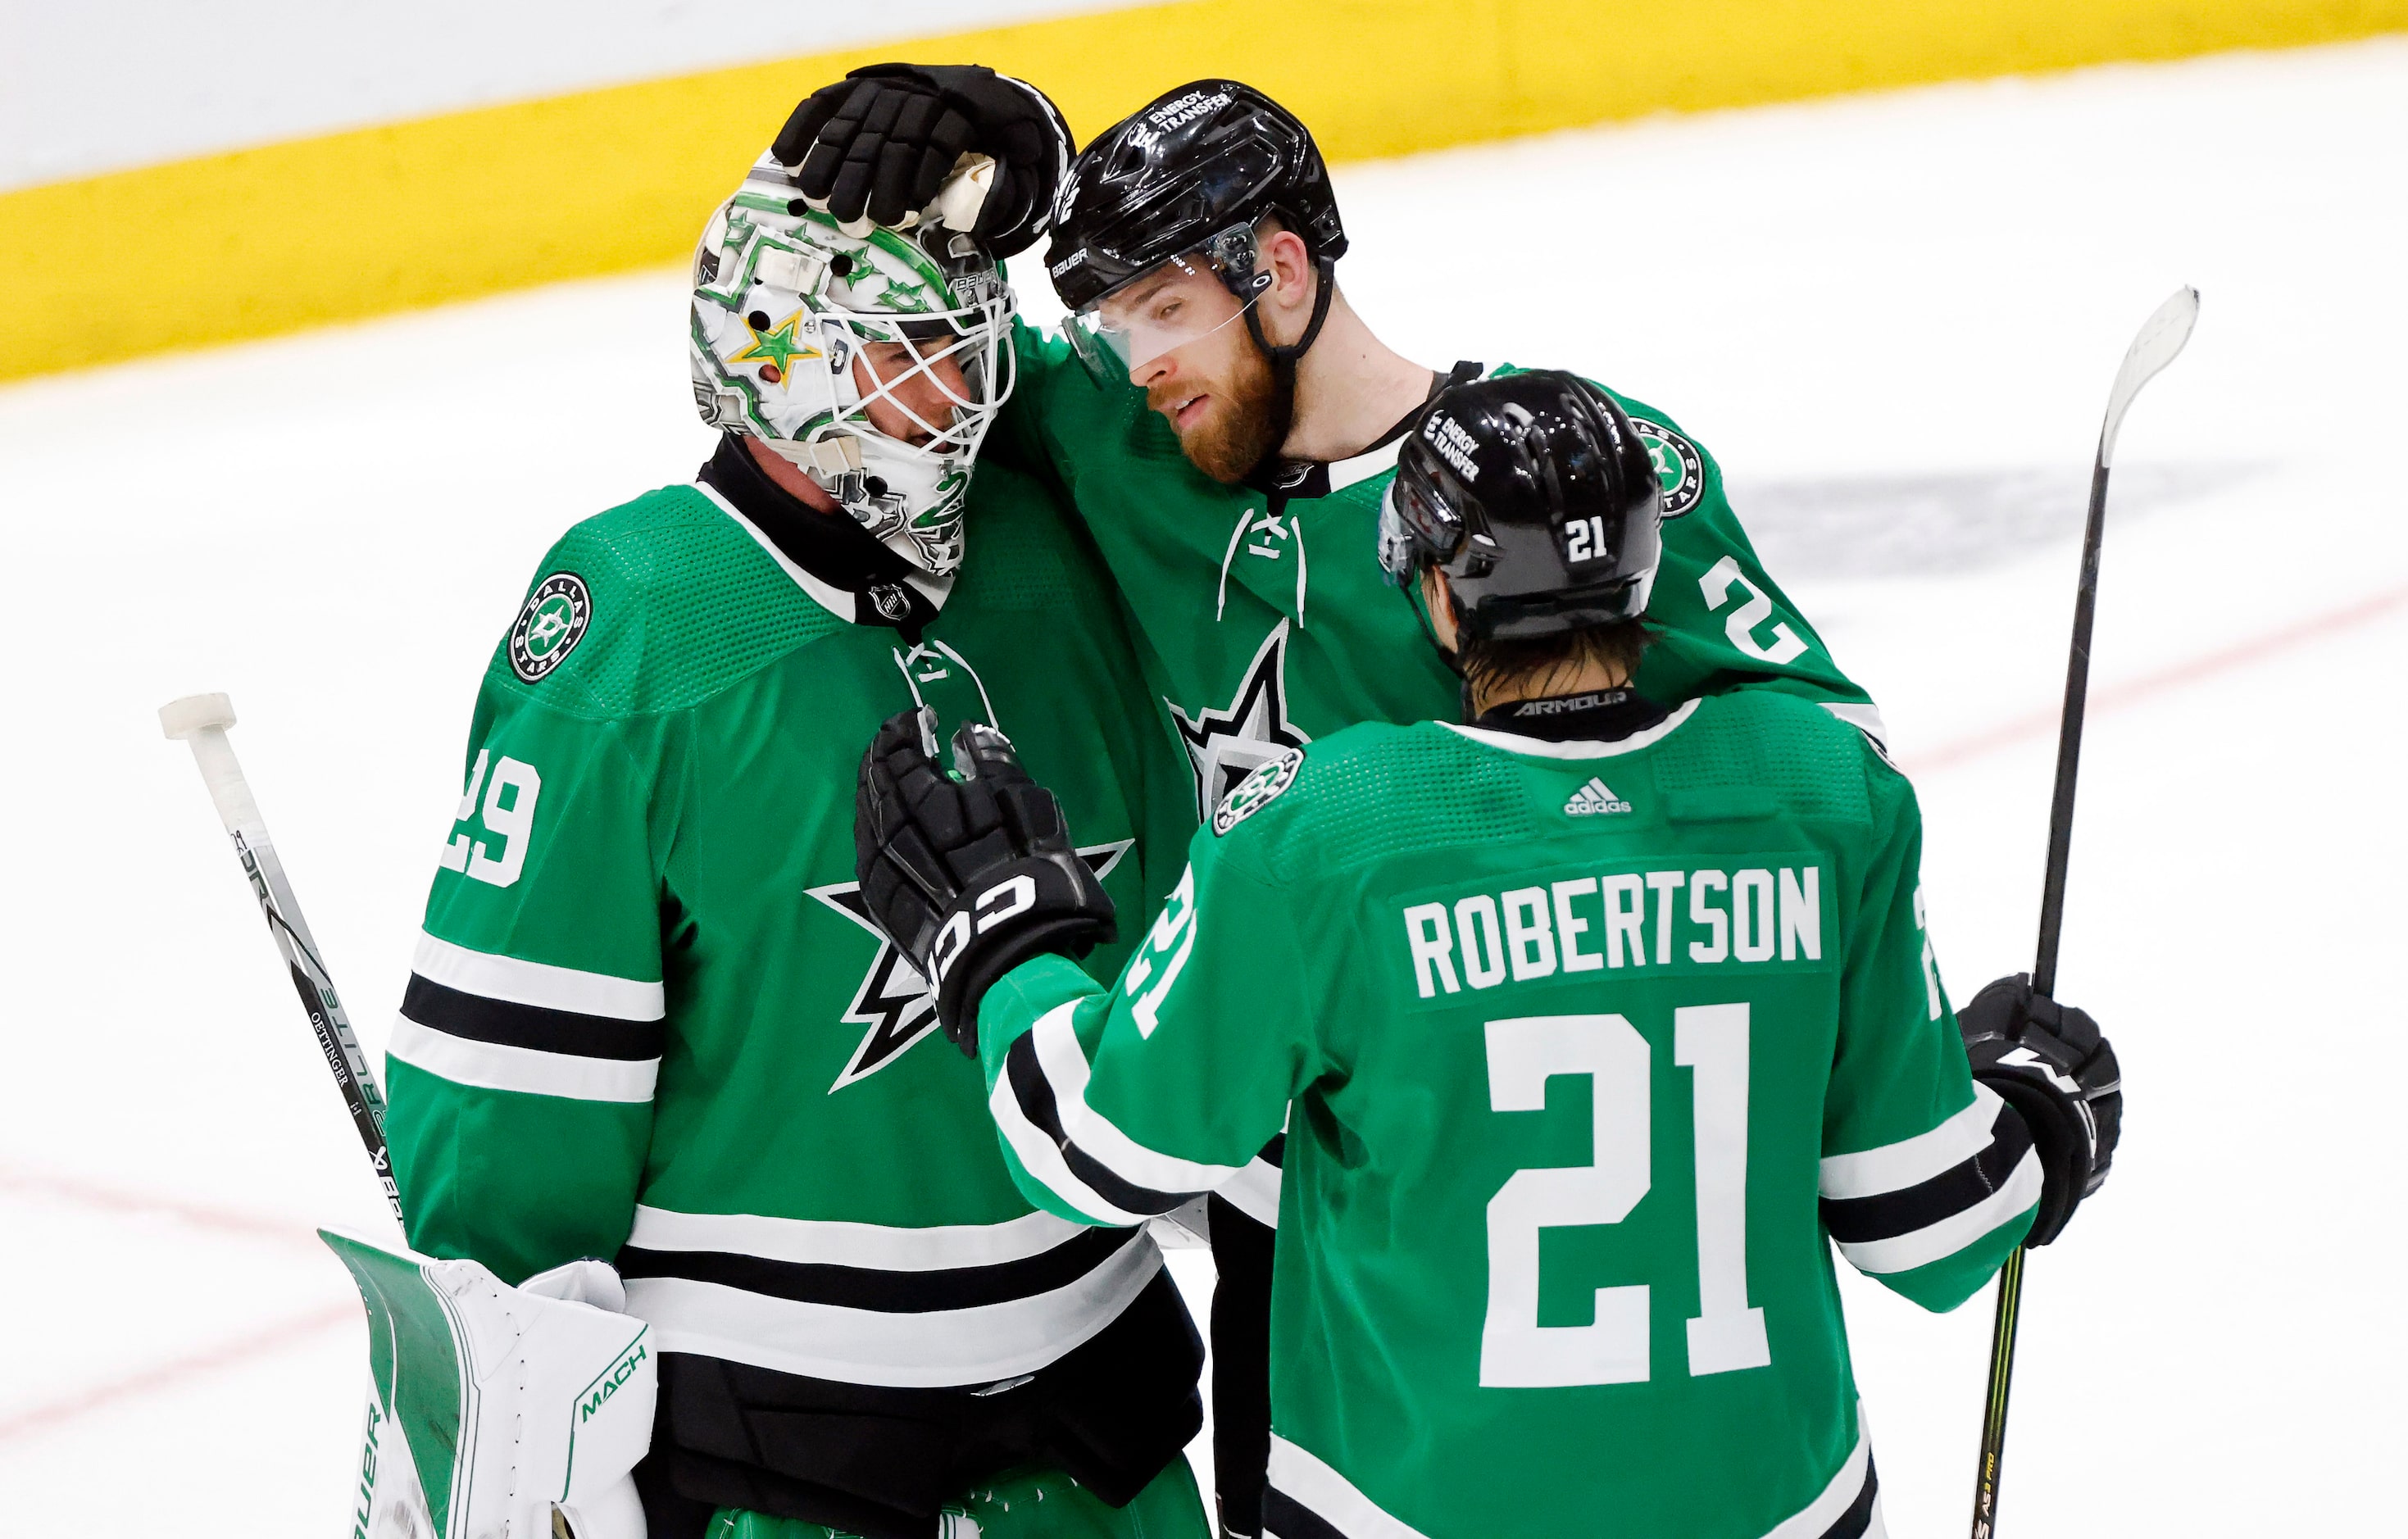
[[1283, 359]]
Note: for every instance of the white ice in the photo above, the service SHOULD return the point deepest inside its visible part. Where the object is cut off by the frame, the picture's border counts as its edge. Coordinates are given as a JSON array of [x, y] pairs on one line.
[[1894, 319]]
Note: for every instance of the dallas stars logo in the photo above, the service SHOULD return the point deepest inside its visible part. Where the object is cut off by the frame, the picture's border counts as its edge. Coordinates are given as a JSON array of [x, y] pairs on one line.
[[1679, 466], [551, 623], [1224, 746], [778, 347], [893, 1000]]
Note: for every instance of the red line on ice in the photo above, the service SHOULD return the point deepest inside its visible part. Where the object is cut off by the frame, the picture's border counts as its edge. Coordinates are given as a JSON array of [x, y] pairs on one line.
[[117, 1200], [175, 1373], [170, 1375], [2043, 723]]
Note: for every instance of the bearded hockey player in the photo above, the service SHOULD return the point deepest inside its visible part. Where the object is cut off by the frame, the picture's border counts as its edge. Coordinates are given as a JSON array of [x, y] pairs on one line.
[[1215, 410], [1655, 981], [650, 1019]]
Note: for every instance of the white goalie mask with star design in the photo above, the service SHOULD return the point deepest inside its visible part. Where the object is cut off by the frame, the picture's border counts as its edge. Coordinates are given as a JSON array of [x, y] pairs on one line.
[[874, 363]]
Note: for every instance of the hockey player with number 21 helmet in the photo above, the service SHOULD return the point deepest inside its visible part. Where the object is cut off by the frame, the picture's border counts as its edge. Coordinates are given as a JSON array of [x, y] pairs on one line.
[[874, 360], [1655, 980]]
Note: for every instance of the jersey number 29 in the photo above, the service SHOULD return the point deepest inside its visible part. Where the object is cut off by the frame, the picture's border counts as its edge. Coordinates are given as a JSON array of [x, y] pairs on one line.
[[1524, 1053]]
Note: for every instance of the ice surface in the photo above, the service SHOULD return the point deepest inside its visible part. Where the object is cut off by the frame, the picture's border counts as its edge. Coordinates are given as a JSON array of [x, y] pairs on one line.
[[1894, 319]]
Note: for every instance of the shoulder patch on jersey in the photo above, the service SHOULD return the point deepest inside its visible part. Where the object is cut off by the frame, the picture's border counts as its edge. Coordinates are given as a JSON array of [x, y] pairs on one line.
[[550, 625], [1257, 791], [1677, 466]]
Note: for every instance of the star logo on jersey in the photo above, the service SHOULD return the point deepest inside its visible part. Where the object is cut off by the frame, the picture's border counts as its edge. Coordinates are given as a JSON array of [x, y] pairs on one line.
[[893, 1000], [1677, 466], [1224, 746], [778, 347]]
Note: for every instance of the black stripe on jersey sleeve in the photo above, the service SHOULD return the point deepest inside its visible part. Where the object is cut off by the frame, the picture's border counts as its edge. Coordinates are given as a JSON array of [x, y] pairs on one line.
[[1285, 1517], [454, 1013], [1275, 1151], [1853, 1523], [889, 1292], [1889, 1214], [1035, 1094]]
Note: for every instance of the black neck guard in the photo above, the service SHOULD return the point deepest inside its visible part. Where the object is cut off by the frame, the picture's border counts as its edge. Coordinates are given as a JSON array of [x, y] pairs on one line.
[[829, 546], [1599, 716]]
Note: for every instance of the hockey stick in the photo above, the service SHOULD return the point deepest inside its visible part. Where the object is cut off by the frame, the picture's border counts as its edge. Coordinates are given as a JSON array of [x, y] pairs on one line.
[[202, 721], [2160, 339]]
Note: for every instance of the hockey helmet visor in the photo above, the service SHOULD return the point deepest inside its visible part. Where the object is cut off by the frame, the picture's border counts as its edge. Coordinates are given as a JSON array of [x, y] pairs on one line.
[[1169, 304]]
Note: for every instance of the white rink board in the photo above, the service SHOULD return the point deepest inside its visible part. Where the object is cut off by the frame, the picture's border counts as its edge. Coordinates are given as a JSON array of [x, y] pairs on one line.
[[1894, 319], [186, 80]]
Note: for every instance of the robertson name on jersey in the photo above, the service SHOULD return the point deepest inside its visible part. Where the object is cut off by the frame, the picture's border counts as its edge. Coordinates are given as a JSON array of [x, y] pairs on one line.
[[1594, 1051]]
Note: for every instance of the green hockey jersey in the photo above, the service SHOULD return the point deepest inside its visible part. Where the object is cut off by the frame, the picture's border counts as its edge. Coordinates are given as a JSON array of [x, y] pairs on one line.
[[1594, 1048], [1265, 620], [650, 1018]]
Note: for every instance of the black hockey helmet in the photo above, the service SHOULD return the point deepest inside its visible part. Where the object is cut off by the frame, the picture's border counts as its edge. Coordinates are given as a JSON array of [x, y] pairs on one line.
[[1189, 175], [1533, 493]]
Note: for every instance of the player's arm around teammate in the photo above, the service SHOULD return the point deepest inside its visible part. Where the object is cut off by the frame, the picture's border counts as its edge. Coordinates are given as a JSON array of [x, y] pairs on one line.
[[1215, 406], [1226, 423], [1410, 934]]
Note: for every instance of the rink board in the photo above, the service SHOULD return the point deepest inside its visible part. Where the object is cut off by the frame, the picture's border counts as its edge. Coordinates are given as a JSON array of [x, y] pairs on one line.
[[295, 234]]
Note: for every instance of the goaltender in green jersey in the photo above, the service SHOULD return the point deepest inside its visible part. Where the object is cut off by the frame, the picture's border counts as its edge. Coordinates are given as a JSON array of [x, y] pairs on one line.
[[1601, 1022], [650, 1020]]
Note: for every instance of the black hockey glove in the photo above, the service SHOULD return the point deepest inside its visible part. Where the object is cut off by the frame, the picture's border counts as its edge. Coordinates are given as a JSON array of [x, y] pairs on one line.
[[972, 874], [882, 141], [2049, 1062]]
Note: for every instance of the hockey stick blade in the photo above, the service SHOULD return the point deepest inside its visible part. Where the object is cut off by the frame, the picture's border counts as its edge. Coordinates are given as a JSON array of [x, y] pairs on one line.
[[201, 721], [2157, 346], [2160, 339]]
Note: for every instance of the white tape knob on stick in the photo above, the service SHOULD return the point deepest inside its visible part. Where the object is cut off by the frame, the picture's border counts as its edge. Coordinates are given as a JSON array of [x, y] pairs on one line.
[[196, 713], [201, 721]]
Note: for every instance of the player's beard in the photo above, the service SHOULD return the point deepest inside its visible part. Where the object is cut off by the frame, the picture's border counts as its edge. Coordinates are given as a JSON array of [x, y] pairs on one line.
[[1244, 423]]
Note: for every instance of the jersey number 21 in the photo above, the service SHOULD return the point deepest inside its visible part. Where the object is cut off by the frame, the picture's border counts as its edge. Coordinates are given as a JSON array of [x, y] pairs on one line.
[[1515, 1350]]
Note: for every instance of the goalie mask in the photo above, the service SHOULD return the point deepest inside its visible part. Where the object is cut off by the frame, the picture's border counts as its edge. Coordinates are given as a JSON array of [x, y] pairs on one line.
[[874, 363]]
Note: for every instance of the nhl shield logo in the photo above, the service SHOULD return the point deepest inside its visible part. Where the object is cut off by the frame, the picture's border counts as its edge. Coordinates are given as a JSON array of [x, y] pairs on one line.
[[550, 625], [1677, 466]]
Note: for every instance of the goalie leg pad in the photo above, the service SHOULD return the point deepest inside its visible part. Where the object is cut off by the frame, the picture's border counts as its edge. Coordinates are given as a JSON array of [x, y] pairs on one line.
[[498, 1412]]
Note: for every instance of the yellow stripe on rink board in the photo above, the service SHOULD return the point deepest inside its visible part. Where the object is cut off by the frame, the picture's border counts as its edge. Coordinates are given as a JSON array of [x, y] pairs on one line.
[[296, 235]]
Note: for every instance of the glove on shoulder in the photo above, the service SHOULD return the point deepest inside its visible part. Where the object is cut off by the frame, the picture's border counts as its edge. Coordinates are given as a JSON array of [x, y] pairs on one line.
[[2051, 1064], [880, 142], [970, 874]]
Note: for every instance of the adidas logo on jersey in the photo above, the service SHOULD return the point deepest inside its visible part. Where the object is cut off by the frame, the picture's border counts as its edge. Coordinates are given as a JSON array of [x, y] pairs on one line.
[[1594, 798]]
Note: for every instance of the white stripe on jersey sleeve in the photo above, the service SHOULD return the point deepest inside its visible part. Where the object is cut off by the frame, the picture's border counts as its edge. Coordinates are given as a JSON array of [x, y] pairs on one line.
[[1041, 1158], [1865, 718], [536, 983], [1254, 1191], [493, 1067], [1065, 1066], [1921, 1246], [1912, 1162], [818, 1242], [1332, 1497]]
